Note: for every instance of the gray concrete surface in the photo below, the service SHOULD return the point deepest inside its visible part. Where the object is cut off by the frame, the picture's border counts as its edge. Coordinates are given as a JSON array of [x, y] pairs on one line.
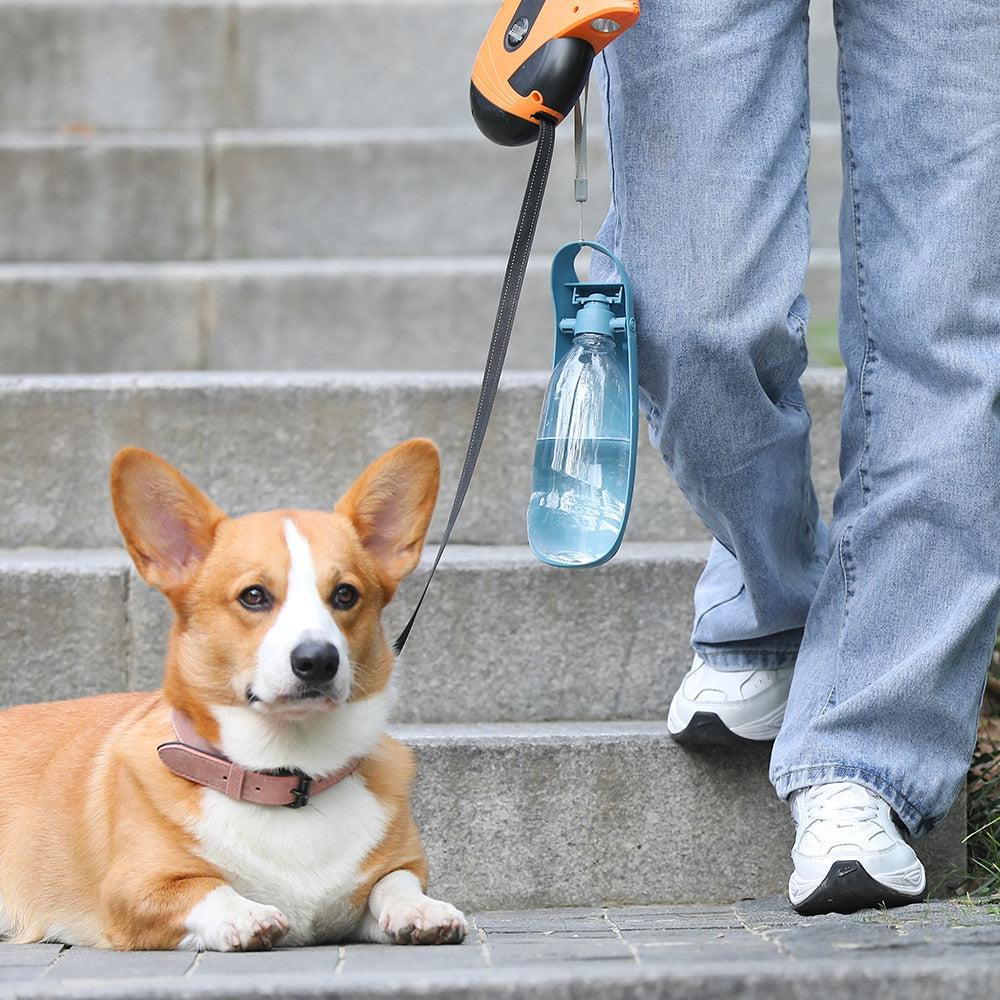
[[578, 813], [410, 313], [573, 813], [117, 145], [823, 85], [64, 631], [75, 197], [300, 193], [502, 637], [101, 317], [255, 441], [117, 65], [754, 950], [128, 64], [204, 63], [309, 193]]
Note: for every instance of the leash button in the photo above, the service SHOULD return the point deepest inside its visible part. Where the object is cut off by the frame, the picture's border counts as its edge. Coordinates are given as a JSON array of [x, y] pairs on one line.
[[517, 32]]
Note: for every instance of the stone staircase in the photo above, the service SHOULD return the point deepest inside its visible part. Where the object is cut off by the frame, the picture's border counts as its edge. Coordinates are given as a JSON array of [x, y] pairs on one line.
[[275, 222], [203, 184]]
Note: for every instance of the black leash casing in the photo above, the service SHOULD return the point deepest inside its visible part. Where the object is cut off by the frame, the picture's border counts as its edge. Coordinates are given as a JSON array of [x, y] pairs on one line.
[[510, 294]]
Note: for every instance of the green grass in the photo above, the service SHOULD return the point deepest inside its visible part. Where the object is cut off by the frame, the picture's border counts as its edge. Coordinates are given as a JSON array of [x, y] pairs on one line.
[[984, 799], [822, 341]]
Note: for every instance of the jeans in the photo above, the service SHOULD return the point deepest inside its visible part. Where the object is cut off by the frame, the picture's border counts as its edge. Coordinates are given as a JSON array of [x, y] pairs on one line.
[[889, 615]]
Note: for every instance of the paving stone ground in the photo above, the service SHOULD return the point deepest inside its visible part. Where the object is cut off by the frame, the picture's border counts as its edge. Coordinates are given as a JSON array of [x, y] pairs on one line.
[[753, 949]]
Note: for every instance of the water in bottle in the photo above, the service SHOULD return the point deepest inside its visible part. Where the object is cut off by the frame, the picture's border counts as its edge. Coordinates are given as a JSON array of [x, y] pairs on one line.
[[580, 484]]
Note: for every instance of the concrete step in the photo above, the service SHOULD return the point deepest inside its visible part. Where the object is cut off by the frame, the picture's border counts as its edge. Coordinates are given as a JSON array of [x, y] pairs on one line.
[[479, 653], [265, 440], [564, 813], [203, 63], [130, 64], [752, 950], [334, 314], [305, 193], [535, 798]]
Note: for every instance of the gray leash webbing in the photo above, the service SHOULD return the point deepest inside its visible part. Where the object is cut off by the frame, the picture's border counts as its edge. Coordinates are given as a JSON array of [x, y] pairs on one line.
[[517, 264]]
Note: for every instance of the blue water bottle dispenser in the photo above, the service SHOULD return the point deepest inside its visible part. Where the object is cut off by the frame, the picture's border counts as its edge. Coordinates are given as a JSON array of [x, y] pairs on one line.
[[585, 454]]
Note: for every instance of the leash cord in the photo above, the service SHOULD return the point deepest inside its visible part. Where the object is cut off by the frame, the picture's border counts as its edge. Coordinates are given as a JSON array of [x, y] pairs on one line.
[[510, 294], [580, 183]]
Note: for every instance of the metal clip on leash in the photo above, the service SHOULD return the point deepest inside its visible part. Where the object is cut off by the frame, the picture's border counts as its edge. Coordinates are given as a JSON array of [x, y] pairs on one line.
[[581, 185], [510, 293]]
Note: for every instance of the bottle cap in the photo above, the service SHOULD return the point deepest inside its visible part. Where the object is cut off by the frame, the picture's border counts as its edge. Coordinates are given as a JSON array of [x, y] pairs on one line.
[[594, 316]]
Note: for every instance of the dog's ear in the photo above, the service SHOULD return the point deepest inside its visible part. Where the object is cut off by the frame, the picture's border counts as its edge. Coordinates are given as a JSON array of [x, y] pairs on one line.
[[390, 505], [168, 524]]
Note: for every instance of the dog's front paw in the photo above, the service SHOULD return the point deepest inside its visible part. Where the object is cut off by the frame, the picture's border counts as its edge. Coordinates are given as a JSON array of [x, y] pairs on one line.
[[226, 921], [258, 928], [423, 921]]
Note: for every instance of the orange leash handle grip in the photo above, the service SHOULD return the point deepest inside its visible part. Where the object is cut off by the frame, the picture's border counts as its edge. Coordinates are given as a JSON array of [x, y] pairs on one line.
[[519, 74]]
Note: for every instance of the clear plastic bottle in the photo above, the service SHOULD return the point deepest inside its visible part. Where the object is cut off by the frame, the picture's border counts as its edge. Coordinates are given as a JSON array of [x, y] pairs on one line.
[[580, 481]]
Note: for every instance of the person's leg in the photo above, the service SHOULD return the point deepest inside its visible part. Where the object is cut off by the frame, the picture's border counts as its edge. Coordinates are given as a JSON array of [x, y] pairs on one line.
[[708, 133], [893, 662]]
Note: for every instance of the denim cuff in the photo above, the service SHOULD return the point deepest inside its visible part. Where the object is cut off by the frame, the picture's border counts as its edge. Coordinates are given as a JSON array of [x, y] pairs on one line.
[[751, 658], [822, 774]]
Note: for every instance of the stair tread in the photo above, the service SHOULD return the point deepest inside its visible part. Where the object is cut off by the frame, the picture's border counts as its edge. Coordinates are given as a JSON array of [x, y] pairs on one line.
[[456, 552], [421, 380], [551, 803], [533, 733], [486, 264], [824, 128], [253, 193], [754, 949], [63, 431], [111, 632]]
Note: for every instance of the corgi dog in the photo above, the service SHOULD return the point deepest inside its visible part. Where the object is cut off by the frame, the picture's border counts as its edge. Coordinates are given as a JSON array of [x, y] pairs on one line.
[[256, 798]]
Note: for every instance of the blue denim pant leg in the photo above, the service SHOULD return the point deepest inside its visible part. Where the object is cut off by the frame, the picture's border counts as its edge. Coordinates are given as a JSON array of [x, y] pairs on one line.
[[891, 672], [708, 140]]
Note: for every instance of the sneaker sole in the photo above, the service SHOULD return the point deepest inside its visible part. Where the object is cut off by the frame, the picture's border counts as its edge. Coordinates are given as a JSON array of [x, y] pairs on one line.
[[848, 887], [706, 729]]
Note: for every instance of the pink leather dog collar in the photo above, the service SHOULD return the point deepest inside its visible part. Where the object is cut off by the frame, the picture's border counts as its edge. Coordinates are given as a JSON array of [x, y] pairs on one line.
[[203, 763]]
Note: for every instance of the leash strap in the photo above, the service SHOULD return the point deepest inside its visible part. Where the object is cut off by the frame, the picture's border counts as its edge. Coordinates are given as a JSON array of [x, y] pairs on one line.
[[510, 293]]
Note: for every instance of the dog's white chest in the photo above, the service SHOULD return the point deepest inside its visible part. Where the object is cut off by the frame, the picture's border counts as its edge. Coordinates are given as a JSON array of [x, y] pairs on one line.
[[307, 862]]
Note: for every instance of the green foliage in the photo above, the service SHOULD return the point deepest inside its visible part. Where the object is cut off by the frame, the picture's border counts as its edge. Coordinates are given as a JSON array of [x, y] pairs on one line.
[[984, 795], [822, 342], [984, 836]]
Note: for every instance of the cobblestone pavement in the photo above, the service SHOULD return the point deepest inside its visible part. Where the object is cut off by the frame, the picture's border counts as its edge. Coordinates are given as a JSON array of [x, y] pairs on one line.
[[757, 948]]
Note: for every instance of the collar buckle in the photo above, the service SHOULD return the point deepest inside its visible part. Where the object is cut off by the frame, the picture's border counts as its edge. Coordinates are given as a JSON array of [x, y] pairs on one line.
[[300, 794]]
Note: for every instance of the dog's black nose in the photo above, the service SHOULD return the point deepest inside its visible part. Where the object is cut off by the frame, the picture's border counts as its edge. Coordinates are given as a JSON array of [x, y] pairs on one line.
[[315, 662]]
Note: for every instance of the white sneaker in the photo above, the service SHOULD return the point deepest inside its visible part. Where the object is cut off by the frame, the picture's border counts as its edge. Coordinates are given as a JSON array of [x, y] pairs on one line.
[[717, 707], [849, 853]]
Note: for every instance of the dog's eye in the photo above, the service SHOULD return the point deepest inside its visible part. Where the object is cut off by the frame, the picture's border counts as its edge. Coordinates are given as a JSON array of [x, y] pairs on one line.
[[256, 598], [344, 596]]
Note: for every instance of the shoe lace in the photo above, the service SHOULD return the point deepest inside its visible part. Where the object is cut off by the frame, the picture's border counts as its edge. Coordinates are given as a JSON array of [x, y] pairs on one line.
[[841, 804]]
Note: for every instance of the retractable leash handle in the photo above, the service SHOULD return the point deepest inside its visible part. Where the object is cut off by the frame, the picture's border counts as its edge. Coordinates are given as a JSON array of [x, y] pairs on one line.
[[535, 60], [529, 73]]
